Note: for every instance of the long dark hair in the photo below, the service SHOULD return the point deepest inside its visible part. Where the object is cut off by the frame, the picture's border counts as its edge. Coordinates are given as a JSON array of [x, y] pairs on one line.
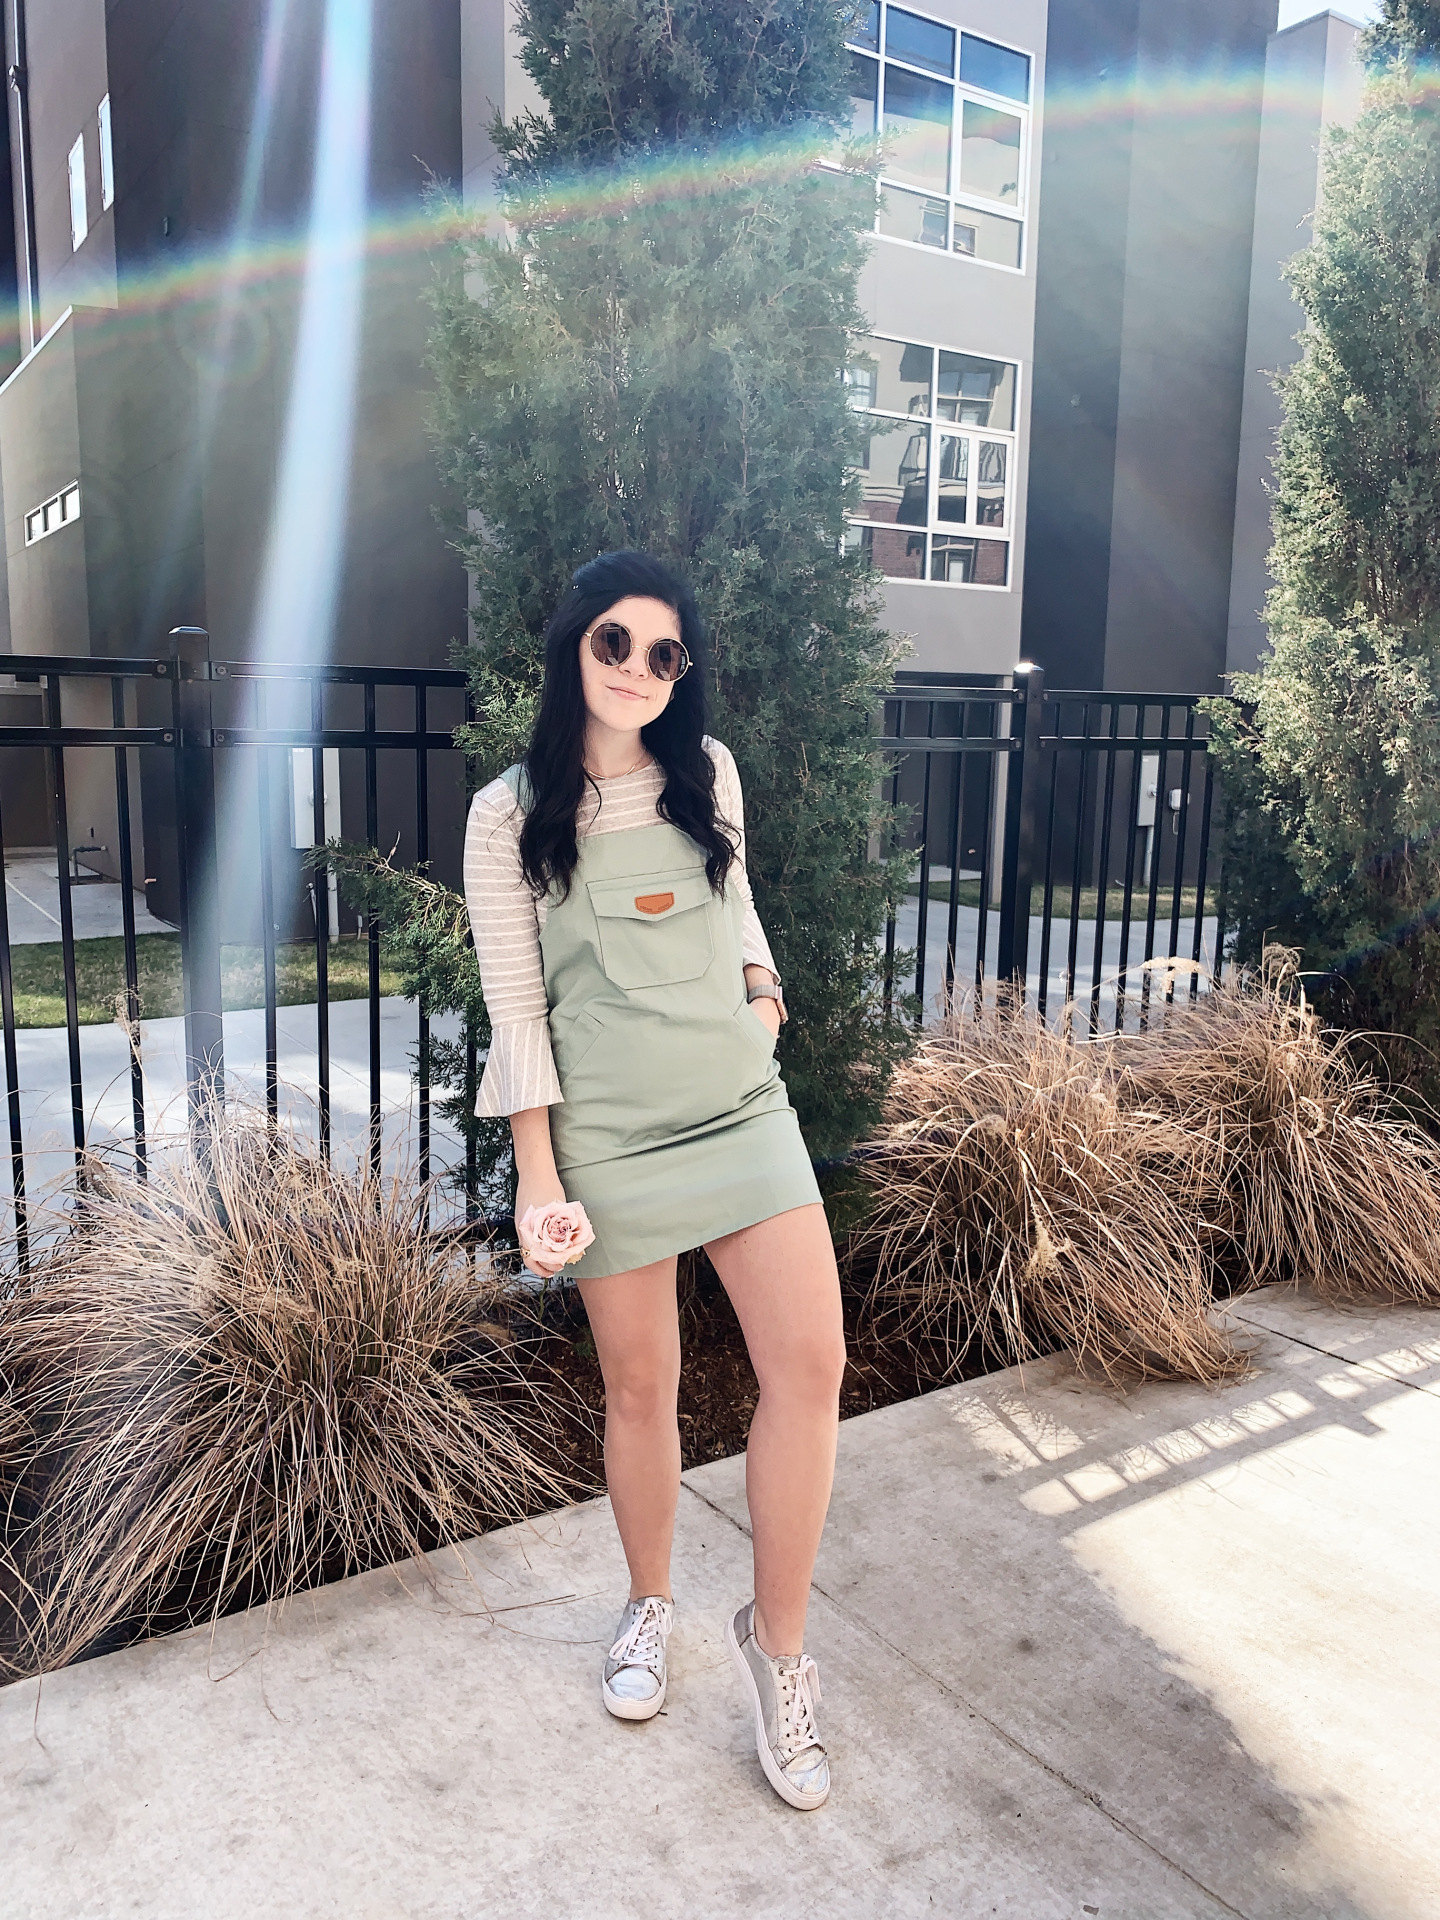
[[555, 763]]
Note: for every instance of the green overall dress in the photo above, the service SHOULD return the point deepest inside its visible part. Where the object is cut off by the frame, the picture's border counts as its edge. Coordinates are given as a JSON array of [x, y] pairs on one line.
[[675, 1126]]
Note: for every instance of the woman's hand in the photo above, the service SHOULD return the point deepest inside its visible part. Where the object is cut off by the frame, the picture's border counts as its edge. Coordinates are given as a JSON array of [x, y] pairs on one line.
[[538, 1196], [537, 1182], [768, 1011]]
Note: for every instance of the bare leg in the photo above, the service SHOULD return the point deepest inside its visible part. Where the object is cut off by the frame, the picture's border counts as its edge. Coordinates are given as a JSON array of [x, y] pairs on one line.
[[637, 1336], [781, 1278]]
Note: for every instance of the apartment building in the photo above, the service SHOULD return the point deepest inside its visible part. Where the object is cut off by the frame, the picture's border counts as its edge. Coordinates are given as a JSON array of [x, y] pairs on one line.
[[956, 94], [167, 160], [1071, 293], [195, 429]]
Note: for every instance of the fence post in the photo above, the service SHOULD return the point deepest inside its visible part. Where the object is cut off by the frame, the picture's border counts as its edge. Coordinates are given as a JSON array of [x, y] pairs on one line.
[[199, 888], [1022, 789]]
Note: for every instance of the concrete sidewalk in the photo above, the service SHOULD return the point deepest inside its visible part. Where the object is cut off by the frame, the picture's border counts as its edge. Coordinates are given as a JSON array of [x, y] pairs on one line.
[[1171, 1653], [32, 901]]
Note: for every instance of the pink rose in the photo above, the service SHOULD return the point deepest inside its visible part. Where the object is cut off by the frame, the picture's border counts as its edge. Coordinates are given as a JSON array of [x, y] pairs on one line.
[[556, 1234]]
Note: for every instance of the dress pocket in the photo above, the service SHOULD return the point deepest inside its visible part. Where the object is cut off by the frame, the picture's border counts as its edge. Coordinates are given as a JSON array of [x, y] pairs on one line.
[[654, 928], [572, 1041], [755, 1029]]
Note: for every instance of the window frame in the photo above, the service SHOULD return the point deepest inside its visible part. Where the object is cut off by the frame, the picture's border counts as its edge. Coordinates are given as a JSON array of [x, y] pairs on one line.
[[937, 429], [62, 509], [956, 196], [79, 193], [107, 155]]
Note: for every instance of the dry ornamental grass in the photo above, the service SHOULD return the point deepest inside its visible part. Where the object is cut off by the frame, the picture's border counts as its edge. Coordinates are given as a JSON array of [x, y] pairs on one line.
[[229, 1384], [1021, 1202], [1320, 1175], [1031, 1189]]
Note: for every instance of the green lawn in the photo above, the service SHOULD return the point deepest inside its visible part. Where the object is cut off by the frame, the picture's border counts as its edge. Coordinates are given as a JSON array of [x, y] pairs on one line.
[[1089, 896], [100, 977]]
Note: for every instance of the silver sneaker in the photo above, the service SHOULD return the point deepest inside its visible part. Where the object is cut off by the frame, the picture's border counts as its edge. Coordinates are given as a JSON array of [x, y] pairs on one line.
[[786, 1692], [633, 1683]]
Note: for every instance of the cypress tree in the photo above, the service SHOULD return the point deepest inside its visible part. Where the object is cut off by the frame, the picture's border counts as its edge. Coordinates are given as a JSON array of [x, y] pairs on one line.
[[1331, 752], [647, 354]]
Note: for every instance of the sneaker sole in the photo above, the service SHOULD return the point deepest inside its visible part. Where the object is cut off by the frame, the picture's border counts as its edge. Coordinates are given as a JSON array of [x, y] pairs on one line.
[[789, 1793], [634, 1709]]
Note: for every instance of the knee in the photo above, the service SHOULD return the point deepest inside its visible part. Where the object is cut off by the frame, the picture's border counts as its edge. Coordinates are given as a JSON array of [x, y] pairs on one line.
[[811, 1372], [642, 1393]]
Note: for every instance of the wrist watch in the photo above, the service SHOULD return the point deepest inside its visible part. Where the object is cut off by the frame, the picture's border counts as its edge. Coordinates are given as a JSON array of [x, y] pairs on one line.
[[768, 990]]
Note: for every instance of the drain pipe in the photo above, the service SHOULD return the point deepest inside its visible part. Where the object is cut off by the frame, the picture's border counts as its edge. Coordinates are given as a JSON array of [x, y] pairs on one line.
[[20, 86]]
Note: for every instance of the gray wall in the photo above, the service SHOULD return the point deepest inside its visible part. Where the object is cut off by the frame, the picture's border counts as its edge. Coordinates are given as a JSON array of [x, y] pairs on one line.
[[1312, 81], [184, 463], [493, 84], [68, 78], [1144, 253], [40, 454], [175, 441]]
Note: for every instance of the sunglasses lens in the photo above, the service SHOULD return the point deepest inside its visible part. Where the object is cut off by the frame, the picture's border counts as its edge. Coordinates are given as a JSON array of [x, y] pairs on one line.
[[610, 643], [667, 659]]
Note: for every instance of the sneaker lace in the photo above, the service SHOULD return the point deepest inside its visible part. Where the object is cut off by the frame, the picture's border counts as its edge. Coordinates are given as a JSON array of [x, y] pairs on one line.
[[643, 1642], [799, 1696]]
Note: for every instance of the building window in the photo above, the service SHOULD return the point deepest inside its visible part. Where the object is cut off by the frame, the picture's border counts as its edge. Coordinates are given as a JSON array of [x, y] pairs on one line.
[[107, 156], [953, 111], [52, 514], [937, 470], [79, 213]]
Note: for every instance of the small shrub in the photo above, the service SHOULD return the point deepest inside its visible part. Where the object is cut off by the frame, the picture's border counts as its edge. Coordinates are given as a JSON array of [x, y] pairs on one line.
[[245, 1377], [1022, 1200], [1032, 1190], [1318, 1173]]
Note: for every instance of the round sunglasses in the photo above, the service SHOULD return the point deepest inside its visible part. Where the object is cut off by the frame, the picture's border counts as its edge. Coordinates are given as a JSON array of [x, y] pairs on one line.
[[611, 645]]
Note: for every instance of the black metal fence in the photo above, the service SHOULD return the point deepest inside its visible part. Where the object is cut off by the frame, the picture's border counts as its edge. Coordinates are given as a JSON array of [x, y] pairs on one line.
[[1060, 841], [227, 851]]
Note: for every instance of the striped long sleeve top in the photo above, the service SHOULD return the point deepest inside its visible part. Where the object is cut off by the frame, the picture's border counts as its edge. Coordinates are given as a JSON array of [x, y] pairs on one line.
[[506, 919]]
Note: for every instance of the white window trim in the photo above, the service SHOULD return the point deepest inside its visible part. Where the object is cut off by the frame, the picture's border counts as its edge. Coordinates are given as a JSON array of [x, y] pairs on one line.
[[79, 196], [62, 509], [967, 529], [961, 196], [107, 155], [951, 252]]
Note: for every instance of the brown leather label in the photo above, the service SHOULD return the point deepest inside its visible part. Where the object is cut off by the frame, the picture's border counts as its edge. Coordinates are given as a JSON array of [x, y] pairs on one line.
[[654, 902]]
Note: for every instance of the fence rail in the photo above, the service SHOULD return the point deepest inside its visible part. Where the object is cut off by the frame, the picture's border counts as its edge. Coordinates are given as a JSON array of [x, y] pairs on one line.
[[1036, 821]]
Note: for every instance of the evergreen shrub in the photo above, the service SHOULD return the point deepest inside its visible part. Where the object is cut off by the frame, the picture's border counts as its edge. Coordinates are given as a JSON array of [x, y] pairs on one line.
[[1330, 753], [646, 352]]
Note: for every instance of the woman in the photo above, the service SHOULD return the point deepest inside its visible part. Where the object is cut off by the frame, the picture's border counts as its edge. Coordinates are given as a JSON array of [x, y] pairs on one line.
[[635, 1007]]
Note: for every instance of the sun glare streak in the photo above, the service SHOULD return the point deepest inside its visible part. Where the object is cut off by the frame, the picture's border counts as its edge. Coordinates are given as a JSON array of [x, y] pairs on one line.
[[216, 375], [295, 615], [216, 360]]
